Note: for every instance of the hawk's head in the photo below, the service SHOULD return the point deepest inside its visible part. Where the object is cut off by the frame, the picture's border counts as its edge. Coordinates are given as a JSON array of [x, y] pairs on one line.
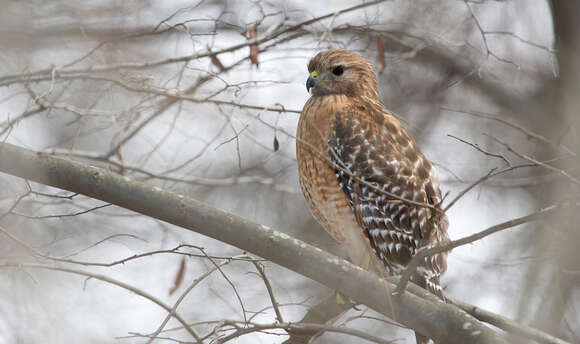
[[340, 71]]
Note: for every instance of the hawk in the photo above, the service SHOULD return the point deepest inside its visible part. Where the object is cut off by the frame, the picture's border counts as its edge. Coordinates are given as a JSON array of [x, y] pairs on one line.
[[364, 177]]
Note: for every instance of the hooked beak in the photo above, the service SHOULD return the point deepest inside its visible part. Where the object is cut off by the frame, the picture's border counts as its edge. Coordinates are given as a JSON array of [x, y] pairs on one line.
[[311, 82]]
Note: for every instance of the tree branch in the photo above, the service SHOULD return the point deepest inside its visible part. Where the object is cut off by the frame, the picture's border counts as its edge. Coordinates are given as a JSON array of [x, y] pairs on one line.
[[415, 308], [112, 281], [507, 324], [424, 253]]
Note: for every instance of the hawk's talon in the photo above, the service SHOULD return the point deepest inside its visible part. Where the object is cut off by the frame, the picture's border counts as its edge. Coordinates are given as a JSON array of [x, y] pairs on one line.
[[341, 300]]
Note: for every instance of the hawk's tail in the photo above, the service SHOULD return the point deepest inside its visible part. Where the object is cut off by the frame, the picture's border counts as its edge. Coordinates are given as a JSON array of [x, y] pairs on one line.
[[421, 339]]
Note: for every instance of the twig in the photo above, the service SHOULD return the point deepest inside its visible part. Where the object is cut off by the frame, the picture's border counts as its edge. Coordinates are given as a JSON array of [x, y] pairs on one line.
[[16, 202], [225, 276], [523, 40], [488, 52], [113, 282], [529, 134], [302, 327], [476, 146], [198, 280], [33, 76], [98, 243], [260, 269], [540, 163], [58, 216], [467, 189], [439, 248], [488, 176], [10, 123]]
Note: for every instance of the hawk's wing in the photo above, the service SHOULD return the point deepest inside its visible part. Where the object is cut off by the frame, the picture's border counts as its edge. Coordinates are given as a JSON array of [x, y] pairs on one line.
[[373, 153]]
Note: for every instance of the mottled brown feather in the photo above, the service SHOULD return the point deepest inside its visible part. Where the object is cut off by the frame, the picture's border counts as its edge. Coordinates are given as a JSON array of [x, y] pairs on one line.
[[354, 156]]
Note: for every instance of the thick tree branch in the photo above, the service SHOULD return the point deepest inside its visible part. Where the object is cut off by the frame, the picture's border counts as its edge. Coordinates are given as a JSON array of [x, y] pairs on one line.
[[507, 324], [415, 308]]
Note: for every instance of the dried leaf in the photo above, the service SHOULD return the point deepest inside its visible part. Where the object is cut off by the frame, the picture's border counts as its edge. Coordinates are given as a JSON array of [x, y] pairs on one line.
[[380, 56], [254, 31], [254, 47], [276, 144], [178, 277], [216, 62]]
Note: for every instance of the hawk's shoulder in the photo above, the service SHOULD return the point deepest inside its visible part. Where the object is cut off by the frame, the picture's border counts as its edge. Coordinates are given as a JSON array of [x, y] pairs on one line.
[[374, 156]]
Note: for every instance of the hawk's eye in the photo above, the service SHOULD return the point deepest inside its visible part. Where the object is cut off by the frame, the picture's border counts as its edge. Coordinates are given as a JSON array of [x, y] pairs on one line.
[[338, 70]]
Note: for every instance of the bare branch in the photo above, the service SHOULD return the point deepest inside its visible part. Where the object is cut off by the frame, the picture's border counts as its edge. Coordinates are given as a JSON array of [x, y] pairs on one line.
[[113, 282], [260, 269], [476, 146], [302, 327], [426, 252], [521, 39], [58, 216], [488, 51], [507, 324], [44, 73], [467, 189], [182, 297], [529, 134], [412, 308], [537, 162]]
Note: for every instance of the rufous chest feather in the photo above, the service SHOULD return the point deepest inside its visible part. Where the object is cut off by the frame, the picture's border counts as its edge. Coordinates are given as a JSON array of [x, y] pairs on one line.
[[318, 180]]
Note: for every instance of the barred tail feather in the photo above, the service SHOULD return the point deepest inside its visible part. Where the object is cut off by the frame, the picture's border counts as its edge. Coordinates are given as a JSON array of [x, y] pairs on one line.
[[421, 339], [431, 284]]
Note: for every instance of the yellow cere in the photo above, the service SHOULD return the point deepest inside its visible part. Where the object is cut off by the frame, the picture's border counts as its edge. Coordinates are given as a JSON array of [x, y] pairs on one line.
[[314, 74]]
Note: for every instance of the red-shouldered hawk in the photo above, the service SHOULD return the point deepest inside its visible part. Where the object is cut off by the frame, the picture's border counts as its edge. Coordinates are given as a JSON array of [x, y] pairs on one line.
[[364, 177]]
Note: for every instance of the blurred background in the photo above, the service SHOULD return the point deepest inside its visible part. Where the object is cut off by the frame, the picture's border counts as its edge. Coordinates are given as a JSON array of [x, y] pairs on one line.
[[173, 94]]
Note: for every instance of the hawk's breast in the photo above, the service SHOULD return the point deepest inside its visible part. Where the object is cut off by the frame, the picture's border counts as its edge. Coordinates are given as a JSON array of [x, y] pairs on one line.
[[318, 181]]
